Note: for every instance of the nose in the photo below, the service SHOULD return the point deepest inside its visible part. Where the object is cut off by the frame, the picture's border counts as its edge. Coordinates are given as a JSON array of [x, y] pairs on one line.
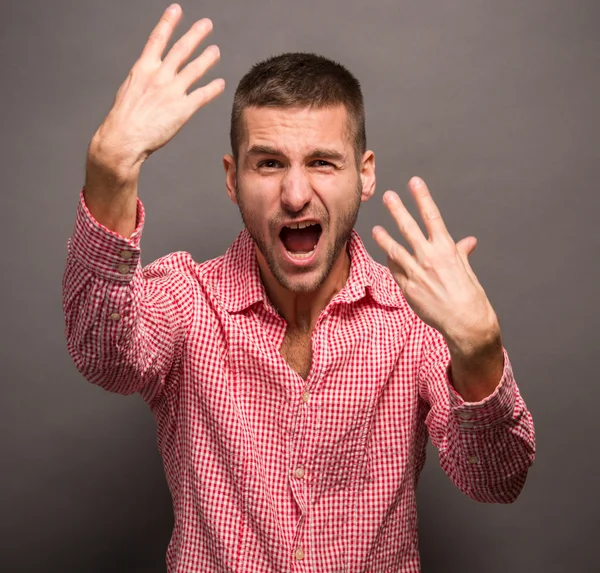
[[296, 189]]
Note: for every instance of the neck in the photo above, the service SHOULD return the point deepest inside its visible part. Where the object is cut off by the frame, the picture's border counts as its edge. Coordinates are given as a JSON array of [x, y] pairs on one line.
[[302, 309]]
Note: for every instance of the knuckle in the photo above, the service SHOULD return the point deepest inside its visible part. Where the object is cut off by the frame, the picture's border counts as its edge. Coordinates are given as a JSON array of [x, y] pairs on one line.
[[448, 247], [140, 68], [409, 287], [431, 213], [427, 263], [156, 36]]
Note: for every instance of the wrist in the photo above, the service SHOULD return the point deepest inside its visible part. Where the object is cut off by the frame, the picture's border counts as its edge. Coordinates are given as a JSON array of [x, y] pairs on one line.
[[480, 340], [109, 158]]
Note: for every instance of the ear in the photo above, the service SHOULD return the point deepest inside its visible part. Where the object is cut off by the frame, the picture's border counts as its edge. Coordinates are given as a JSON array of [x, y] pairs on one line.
[[367, 174], [230, 177]]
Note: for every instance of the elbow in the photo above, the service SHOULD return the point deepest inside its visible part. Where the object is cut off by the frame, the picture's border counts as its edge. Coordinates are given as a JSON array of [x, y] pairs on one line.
[[113, 374]]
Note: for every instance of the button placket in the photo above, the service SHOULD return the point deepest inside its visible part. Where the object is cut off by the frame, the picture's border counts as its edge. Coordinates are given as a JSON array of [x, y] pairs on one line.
[[300, 480]]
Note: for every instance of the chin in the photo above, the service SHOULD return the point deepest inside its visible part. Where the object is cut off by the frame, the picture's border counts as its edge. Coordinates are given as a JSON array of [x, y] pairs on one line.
[[299, 283]]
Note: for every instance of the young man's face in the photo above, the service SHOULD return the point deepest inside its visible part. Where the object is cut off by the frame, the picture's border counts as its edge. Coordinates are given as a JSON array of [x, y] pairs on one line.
[[296, 167]]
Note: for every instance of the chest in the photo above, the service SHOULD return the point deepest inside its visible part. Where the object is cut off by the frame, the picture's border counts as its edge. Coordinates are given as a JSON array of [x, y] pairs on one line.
[[296, 350]]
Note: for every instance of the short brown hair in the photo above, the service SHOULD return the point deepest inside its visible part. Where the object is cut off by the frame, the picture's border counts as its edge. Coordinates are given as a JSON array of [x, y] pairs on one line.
[[299, 79]]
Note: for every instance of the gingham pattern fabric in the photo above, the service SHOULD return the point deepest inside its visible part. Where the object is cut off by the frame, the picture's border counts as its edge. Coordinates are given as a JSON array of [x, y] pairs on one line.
[[269, 472]]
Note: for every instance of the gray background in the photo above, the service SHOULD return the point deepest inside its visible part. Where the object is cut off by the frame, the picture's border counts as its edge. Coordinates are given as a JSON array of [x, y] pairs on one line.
[[494, 103]]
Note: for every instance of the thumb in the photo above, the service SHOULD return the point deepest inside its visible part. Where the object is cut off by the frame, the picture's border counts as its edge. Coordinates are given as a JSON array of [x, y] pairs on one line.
[[466, 246]]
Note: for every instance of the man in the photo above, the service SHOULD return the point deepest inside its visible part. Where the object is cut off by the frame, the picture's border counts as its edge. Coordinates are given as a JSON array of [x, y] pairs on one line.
[[294, 381]]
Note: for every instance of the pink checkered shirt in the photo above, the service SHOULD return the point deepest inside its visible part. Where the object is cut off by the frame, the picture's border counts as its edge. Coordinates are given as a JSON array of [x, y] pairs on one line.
[[269, 472]]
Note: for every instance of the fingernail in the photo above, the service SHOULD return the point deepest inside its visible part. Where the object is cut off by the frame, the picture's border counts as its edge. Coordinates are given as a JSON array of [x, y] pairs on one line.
[[390, 197], [416, 181], [173, 8]]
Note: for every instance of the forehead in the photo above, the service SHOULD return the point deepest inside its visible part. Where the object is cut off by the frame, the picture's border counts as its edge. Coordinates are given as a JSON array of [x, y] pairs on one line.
[[296, 129]]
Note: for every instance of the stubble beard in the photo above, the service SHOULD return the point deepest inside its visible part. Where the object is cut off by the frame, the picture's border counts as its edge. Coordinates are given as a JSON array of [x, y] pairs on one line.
[[346, 224]]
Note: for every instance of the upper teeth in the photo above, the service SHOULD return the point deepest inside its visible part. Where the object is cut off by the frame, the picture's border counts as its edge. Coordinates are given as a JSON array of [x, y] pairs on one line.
[[300, 225]]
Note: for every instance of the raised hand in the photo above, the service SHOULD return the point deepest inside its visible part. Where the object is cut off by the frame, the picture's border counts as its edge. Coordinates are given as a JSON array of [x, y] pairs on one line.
[[437, 280], [153, 102], [151, 106]]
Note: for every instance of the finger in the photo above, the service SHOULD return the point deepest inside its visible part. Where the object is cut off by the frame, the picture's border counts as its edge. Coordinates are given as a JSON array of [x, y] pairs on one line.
[[157, 42], [203, 95], [394, 250], [185, 46], [198, 67], [429, 211], [406, 224]]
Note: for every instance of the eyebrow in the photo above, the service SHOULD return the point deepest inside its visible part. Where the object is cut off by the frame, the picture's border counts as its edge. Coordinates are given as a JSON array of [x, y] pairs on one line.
[[321, 153]]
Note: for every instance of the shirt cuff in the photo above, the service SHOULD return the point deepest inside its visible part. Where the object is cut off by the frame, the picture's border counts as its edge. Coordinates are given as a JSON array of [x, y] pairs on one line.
[[103, 251], [495, 408]]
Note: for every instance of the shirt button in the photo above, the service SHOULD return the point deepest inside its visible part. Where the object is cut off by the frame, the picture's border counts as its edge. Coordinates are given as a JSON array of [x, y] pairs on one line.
[[465, 415], [467, 424], [299, 554], [299, 473], [305, 396], [115, 316], [473, 460], [123, 268], [126, 255]]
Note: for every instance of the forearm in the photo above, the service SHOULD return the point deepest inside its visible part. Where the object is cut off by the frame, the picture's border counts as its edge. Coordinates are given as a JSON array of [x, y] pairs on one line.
[[111, 184], [476, 374]]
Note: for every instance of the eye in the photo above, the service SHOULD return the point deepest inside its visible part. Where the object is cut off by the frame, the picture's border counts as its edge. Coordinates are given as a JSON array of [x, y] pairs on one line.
[[322, 163], [268, 164]]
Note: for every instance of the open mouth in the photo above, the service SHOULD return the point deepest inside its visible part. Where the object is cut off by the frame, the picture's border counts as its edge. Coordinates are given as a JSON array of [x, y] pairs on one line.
[[300, 240]]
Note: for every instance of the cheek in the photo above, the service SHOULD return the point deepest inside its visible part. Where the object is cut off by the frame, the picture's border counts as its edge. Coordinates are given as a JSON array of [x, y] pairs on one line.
[[258, 202], [338, 197]]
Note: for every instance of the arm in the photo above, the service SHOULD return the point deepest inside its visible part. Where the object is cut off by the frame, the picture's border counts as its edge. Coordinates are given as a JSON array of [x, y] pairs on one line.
[[125, 325], [477, 419], [487, 446]]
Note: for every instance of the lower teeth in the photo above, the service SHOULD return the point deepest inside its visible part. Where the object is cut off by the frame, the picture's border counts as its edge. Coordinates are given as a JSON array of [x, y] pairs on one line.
[[302, 255]]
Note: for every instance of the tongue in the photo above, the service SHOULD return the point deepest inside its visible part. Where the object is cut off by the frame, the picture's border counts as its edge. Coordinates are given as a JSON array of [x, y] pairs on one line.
[[300, 240]]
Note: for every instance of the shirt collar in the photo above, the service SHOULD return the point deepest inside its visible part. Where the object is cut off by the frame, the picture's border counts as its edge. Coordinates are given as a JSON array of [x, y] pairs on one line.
[[237, 284]]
